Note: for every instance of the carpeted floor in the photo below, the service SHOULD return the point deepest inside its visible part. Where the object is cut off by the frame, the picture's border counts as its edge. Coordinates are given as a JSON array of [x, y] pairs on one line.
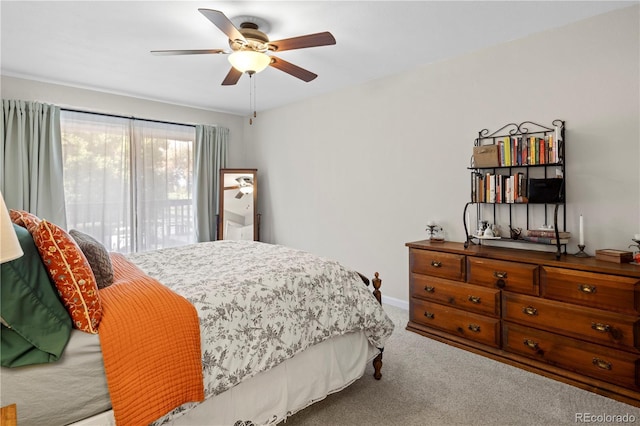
[[426, 382]]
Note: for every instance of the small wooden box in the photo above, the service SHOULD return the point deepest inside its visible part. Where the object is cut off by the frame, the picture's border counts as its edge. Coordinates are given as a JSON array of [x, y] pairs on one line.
[[485, 156], [613, 255]]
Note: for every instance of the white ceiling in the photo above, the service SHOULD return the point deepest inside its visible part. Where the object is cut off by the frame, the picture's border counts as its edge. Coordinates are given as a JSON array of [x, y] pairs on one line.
[[104, 45]]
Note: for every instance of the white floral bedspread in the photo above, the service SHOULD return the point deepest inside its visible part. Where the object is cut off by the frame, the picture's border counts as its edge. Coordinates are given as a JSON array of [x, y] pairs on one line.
[[260, 304]]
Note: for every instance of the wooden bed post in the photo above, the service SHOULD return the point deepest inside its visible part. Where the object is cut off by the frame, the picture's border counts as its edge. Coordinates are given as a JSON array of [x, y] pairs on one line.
[[377, 361], [377, 282]]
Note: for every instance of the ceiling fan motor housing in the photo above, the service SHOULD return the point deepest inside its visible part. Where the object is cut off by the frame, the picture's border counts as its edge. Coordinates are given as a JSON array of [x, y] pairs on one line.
[[256, 39]]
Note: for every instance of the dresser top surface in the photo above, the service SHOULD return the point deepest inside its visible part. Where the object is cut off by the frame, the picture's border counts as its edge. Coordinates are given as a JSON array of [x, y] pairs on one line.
[[529, 256]]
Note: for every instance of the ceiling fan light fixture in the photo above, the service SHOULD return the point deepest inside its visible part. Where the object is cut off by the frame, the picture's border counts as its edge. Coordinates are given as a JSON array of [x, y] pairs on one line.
[[246, 189], [249, 61]]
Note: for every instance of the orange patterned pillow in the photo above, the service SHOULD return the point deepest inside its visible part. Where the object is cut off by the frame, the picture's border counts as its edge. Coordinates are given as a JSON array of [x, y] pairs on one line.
[[24, 219], [69, 269]]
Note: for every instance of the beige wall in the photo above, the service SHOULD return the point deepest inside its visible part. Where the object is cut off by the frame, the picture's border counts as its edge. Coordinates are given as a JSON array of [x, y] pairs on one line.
[[355, 174], [90, 100]]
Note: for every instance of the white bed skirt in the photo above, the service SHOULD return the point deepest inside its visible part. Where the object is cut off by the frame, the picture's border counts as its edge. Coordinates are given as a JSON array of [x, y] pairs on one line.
[[273, 395]]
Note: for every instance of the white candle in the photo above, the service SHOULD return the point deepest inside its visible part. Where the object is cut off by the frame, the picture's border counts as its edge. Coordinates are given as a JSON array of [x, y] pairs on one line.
[[581, 231]]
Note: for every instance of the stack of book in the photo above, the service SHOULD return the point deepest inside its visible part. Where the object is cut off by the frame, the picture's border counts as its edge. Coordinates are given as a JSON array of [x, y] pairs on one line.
[[531, 150], [546, 236], [497, 188]]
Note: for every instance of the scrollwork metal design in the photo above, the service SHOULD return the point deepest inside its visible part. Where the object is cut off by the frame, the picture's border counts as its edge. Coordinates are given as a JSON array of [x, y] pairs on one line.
[[515, 129]]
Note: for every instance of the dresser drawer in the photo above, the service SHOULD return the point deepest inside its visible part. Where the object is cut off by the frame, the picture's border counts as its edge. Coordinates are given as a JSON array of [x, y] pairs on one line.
[[595, 325], [621, 294], [471, 326], [469, 297], [511, 276], [443, 265], [611, 365]]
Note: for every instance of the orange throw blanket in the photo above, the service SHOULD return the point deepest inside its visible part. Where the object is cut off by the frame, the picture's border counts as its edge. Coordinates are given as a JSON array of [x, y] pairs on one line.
[[150, 338]]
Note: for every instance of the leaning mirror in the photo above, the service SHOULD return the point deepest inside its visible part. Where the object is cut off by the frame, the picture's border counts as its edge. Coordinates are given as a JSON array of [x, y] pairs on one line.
[[238, 219]]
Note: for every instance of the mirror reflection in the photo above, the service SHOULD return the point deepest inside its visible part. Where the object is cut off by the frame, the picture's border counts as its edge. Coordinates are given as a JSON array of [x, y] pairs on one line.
[[238, 200]]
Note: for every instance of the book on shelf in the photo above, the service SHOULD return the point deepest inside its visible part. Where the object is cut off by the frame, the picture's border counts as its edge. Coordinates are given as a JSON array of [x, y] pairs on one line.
[[507, 151], [478, 191], [532, 150], [491, 188], [552, 155], [549, 233], [520, 185], [545, 240]]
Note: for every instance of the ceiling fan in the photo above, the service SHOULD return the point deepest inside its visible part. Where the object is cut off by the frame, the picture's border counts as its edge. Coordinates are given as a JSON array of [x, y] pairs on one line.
[[244, 186], [251, 49]]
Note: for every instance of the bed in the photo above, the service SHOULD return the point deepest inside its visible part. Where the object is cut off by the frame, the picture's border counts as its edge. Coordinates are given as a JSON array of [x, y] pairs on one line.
[[276, 330]]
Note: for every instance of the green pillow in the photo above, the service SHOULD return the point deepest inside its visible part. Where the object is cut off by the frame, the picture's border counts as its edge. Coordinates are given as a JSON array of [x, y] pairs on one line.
[[38, 323]]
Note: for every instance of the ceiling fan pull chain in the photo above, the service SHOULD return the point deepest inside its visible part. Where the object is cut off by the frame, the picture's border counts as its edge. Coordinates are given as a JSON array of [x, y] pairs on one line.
[[250, 96], [254, 98]]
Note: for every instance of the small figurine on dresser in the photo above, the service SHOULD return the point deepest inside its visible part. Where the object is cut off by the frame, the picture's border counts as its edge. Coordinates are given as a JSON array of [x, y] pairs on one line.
[[515, 232], [435, 232]]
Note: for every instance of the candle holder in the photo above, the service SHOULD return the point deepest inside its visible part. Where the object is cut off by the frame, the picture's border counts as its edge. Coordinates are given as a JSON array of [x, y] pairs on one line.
[[581, 253]]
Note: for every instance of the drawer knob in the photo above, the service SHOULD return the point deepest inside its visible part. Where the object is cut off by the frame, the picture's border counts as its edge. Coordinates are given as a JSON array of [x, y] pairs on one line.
[[531, 344], [429, 315], [429, 289], [474, 299], [587, 289], [602, 328], [474, 327], [500, 275], [600, 363], [530, 310], [436, 264]]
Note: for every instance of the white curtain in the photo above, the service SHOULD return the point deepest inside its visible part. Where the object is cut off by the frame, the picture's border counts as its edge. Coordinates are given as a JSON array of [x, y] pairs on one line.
[[163, 184], [31, 159], [211, 155], [129, 183]]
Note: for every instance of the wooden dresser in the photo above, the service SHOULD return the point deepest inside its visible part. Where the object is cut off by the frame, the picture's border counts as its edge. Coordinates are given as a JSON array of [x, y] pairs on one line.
[[576, 320]]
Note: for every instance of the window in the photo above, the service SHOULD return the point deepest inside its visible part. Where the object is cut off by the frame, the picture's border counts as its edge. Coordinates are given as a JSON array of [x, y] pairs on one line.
[[128, 182]]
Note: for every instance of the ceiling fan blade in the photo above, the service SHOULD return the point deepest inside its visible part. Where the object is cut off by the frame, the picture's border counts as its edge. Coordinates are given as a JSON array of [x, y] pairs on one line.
[[239, 195], [294, 70], [221, 21], [188, 52], [309, 40], [232, 77]]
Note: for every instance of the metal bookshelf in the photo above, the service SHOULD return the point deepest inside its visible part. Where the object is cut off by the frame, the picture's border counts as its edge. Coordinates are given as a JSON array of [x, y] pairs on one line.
[[524, 140]]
